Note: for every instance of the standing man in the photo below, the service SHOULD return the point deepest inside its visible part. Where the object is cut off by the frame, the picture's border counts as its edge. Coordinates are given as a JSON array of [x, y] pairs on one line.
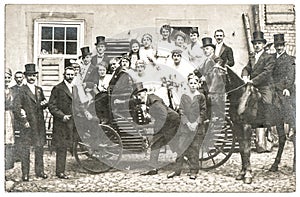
[[60, 106], [19, 77], [166, 123], [32, 101], [100, 47], [284, 89], [222, 50]]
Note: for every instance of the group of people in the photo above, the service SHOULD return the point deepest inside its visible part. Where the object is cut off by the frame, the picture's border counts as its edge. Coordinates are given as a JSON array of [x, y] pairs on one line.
[[178, 86]]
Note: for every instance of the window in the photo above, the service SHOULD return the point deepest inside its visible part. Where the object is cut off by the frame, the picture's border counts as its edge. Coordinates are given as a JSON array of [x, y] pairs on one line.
[[280, 14], [59, 39]]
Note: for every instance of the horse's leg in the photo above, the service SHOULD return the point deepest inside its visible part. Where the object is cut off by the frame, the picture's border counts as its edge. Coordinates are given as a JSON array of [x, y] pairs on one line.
[[244, 138], [281, 143]]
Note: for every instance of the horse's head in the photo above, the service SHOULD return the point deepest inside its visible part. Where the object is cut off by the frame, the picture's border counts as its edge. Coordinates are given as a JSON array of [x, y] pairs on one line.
[[248, 101]]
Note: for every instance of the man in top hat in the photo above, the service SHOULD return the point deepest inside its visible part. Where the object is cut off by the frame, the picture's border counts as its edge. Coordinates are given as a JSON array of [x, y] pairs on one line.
[[258, 71], [166, 123], [222, 50], [88, 71], [212, 77], [284, 88], [100, 47], [195, 52], [32, 101]]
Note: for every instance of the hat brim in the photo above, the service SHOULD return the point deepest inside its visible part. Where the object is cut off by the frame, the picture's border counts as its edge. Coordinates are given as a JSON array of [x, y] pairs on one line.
[[281, 42], [263, 40], [98, 43], [30, 72], [141, 90], [212, 45]]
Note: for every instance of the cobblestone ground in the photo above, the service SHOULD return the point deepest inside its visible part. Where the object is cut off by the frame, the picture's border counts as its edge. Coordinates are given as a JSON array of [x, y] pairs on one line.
[[221, 179]]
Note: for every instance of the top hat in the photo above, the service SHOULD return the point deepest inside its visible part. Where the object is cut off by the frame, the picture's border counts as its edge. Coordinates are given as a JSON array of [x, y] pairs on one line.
[[30, 69], [207, 41], [279, 39], [258, 36], [85, 51], [138, 87], [194, 30], [100, 40], [8, 71]]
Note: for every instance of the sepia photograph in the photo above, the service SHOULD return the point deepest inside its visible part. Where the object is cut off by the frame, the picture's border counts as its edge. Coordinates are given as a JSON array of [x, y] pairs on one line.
[[149, 98]]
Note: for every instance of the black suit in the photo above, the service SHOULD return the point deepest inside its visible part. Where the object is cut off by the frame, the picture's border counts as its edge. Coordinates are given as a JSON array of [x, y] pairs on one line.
[[96, 61], [166, 124], [36, 134], [60, 104], [226, 54]]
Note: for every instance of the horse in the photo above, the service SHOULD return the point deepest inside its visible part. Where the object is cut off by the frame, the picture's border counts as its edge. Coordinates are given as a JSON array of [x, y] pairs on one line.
[[243, 99]]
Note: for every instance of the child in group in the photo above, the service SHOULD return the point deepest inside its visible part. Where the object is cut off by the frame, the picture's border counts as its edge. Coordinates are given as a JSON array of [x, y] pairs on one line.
[[134, 52], [192, 109]]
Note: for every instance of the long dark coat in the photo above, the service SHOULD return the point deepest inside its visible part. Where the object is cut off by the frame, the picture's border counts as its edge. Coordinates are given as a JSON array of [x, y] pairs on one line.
[[60, 104], [226, 54], [30, 103]]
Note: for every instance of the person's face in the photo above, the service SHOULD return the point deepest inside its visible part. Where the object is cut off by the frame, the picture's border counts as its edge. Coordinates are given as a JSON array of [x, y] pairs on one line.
[[258, 46], [219, 36], [165, 34], [147, 42], [176, 57], [102, 71], [114, 65], [279, 48], [69, 75], [125, 63], [76, 69], [193, 37], [208, 50], [7, 79], [193, 84], [87, 59], [100, 48], [135, 47], [19, 78], [31, 78], [142, 96], [140, 68], [179, 41]]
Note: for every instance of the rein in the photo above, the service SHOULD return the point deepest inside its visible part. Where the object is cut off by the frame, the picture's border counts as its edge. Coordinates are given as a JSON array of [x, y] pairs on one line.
[[235, 89]]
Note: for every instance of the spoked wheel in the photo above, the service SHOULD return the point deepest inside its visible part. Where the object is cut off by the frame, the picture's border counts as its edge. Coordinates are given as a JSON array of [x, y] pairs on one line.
[[105, 156], [218, 144]]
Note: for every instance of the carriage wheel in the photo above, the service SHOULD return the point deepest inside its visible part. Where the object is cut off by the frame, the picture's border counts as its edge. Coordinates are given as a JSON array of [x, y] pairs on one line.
[[107, 155], [218, 145]]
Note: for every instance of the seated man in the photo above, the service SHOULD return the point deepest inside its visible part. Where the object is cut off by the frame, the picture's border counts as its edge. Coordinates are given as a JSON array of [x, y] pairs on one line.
[[166, 123]]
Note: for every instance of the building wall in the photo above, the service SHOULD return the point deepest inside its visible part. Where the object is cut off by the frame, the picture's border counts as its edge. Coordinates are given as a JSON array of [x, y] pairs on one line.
[[112, 20]]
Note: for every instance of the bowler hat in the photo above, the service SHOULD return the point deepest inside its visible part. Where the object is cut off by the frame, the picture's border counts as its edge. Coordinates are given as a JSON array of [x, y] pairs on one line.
[[258, 36], [207, 41], [138, 87], [85, 51], [100, 40], [279, 39], [30, 69]]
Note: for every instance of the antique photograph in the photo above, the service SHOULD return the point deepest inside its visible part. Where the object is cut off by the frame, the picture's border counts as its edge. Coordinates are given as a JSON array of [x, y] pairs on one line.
[[193, 98]]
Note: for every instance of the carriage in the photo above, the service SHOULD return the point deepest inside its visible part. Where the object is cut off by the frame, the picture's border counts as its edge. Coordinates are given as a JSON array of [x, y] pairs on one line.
[[128, 133]]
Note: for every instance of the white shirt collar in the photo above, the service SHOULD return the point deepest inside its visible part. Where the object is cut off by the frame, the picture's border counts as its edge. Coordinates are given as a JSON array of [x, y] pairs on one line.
[[31, 87], [257, 55], [278, 55], [69, 85]]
